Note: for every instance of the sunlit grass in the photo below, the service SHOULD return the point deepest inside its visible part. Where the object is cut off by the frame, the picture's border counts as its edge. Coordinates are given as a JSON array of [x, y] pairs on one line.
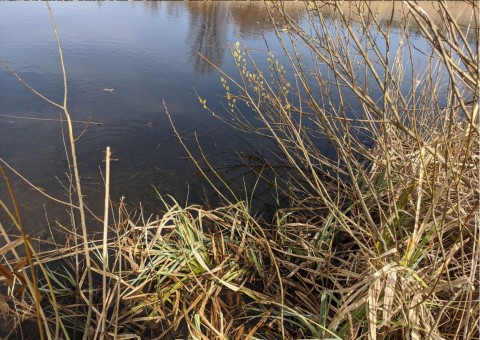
[[379, 241]]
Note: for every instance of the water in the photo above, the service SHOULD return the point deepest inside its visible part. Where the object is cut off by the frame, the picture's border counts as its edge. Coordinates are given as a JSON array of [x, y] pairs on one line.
[[146, 52]]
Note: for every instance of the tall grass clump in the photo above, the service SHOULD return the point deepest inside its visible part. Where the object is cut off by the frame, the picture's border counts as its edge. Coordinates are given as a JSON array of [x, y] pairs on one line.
[[191, 273], [390, 215], [379, 235]]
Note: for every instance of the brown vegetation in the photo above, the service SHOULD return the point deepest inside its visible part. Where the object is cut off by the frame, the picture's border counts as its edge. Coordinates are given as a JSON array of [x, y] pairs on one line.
[[380, 240]]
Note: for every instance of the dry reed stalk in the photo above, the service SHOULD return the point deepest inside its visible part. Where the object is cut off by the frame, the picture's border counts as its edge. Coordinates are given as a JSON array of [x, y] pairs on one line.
[[78, 186], [104, 245]]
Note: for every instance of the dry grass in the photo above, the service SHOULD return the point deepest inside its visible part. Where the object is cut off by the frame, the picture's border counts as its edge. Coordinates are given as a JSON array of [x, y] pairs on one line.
[[380, 240], [192, 273], [401, 190]]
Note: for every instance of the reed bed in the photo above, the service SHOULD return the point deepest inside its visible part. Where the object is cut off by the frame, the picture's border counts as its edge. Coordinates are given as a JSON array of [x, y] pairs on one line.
[[379, 239], [191, 273]]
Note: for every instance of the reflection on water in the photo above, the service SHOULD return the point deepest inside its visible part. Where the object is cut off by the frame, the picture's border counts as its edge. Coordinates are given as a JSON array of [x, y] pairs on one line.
[[210, 23], [208, 34]]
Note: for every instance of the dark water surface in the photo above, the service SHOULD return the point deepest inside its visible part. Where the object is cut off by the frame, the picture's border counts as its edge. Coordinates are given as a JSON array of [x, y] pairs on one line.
[[146, 52]]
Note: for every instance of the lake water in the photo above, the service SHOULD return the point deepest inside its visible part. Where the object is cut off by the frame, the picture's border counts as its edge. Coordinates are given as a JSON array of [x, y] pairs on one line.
[[146, 52]]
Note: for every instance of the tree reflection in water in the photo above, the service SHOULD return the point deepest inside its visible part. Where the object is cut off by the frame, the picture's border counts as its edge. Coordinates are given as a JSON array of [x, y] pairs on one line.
[[208, 34], [210, 23]]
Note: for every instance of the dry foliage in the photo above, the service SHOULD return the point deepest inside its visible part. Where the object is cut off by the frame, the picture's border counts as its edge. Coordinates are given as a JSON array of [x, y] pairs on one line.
[[380, 238]]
